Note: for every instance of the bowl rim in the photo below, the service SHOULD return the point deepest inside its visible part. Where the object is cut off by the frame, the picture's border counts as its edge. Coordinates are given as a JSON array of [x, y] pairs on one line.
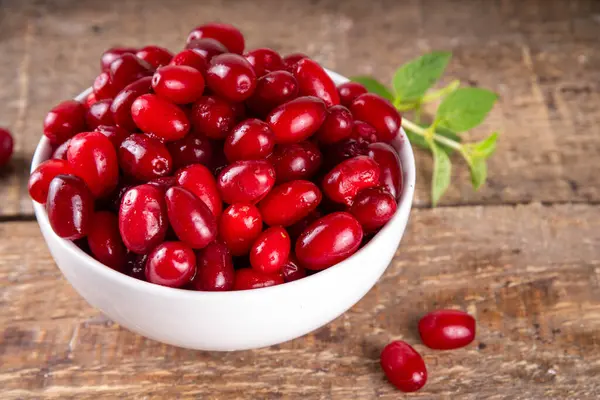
[[407, 162]]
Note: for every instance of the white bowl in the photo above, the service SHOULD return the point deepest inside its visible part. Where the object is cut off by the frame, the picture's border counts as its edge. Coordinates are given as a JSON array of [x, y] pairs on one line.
[[231, 320]]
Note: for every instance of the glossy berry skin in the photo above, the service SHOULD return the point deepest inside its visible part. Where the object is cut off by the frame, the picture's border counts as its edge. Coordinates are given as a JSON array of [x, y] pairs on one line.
[[164, 183], [155, 56], [289, 202], [6, 146], [249, 278], [264, 60], [344, 150], [92, 157], [153, 114], [191, 149], [171, 264], [121, 105], [199, 180], [296, 120], [102, 87], [143, 218], [239, 227], [89, 100], [40, 179], [328, 240], [379, 113], [299, 227], [179, 84], [69, 205], [270, 250], [99, 114], [64, 121], [127, 69], [231, 76], [447, 329], [251, 139], [389, 166], [207, 48], [115, 134], [190, 58], [272, 90], [213, 116], [337, 125], [144, 158], [345, 180], [227, 34], [292, 271], [349, 91], [61, 151], [112, 54], [246, 181], [314, 81], [105, 241], [403, 366], [214, 271], [373, 207], [291, 60], [296, 161], [192, 221], [363, 132]]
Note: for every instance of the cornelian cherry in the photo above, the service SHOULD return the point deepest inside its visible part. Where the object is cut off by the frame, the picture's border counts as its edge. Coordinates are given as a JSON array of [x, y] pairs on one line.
[[144, 158], [214, 268], [39, 181], [239, 227], [213, 116], [314, 81], [64, 121], [447, 329], [99, 114], [272, 90], [344, 181], [231, 76], [191, 219], [296, 120], [227, 34], [193, 148], [289, 202], [112, 54], [337, 125], [270, 250], [105, 241], [127, 69], [292, 271], [251, 139], [248, 278], [153, 114], [246, 181], [264, 60], [121, 105], [171, 264], [190, 58], [373, 207], [379, 113], [199, 180], [389, 166], [403, 366], [115, 134], [207, 48], [154, 55], [349, 91], [296, 161], [291, 60], [69, 205], [178, 83]]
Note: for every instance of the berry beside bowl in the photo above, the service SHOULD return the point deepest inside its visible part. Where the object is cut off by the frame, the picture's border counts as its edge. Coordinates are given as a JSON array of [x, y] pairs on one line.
[[171, 292]]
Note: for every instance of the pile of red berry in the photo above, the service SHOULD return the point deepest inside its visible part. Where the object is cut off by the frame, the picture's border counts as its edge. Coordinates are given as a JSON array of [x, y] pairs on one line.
[[215, 169]]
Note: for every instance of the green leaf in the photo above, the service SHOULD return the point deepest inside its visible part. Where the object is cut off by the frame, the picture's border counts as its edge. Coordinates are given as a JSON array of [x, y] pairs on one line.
[[478, 172], [486, 147], [465, 108], [412, 80], [419, 140], [442, 170], [373, 86]]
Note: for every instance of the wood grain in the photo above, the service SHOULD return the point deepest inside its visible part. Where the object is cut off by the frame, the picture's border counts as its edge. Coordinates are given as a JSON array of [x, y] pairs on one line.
[[529, 274]]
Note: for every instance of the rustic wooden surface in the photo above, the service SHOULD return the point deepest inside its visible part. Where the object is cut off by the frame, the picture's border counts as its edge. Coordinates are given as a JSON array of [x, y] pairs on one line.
[[522, 255]]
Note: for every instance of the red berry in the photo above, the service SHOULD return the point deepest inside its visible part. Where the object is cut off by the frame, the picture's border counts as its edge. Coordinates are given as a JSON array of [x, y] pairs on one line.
[[291, 60], [297, 120], [199, 180], [6, 146], [214, 268], [373, 207], [296, 230], [227, 34], [231, 76], [61, 151], [156, 115], [115, 134], [92, 157], [329, 240], [69, 205], [296, 161], [143, 218], [345, 180], [121, 105], [178, 83], [154, 55], [127, 69], [314, 81], [363, 132], [292, 271], [213, 116], [192, 221], [164, 183], [192, 149], [171, 264], [270, 250], [239, 227], [112, 54], [379, 113], [89, 100], [144, 158], [337, 125], [99, 114], [190, 58], [389, 166], [103, 88], [403, 366], [40, 179], [349, 91], [105, 241], [248, 278], [272, 90], [246, 181], [251, 139], [64, 121], [207, 49], [343, 150], [264, 60], [447, 329], [289, 202]]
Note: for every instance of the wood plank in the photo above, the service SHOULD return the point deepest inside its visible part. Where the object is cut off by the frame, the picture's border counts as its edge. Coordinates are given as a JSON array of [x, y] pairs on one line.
[[529, 274], [540, 57]]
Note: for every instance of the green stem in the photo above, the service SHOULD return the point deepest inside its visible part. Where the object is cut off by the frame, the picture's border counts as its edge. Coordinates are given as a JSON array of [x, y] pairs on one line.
[[438, 138], [452, 86]]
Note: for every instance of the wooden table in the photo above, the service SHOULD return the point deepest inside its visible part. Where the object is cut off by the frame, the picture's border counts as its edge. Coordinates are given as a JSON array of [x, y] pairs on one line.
[[522, 255]]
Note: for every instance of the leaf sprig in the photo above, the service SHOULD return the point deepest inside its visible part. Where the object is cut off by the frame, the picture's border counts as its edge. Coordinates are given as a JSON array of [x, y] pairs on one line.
[[461, 109]]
